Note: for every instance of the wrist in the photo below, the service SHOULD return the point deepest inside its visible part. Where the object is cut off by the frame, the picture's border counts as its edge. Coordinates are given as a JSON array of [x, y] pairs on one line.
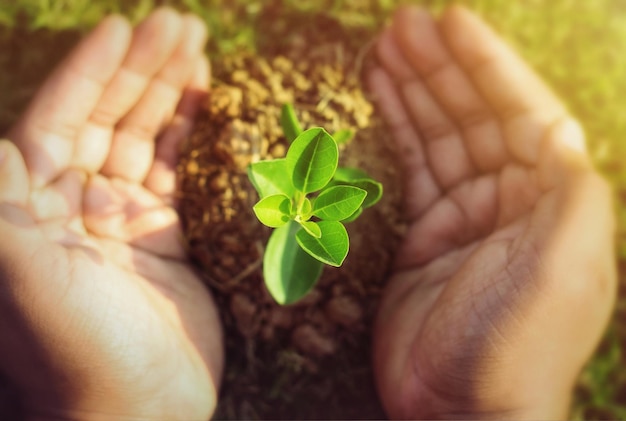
[[547, 404], [197, 408], [530, 394]]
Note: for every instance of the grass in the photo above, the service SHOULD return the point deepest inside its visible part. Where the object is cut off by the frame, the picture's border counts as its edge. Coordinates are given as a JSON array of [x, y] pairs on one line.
[[577, 45]]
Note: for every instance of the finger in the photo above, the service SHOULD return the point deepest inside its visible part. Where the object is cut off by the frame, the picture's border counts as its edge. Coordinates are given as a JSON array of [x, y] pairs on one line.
[[61, 200], [524, 104], [392, 58], [126, 212], [420, 186], [152, 44], [132, 150], [14, 182], [445, 153], [447, 85], [47, 132], [464, 215], [161, 179]]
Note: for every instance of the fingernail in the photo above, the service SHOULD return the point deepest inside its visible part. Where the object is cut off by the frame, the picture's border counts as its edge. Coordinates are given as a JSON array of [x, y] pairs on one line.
[[3, 152], [571, 134]]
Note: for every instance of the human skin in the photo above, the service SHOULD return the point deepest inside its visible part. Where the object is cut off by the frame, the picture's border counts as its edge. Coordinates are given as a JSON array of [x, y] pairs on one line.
[[506, 278], [101, 314], [501, 289]]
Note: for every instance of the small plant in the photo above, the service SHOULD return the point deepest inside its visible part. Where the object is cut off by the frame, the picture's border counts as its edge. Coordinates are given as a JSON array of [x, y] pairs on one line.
[[307, 198]]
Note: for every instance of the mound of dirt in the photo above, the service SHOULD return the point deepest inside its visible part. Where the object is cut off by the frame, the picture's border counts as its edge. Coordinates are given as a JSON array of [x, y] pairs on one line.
[[286, 362]]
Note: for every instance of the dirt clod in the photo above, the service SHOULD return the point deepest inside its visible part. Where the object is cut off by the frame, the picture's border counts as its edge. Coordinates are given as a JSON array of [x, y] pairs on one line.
[[344, 310], [308, 339], [244, 311]]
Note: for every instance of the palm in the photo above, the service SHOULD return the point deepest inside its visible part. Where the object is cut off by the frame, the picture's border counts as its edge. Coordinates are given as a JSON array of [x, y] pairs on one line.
[[125, 315], [492, 195]]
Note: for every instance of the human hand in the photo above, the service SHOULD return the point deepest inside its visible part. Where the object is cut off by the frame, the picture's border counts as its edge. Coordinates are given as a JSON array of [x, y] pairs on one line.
[[101, 315], [506, 279]]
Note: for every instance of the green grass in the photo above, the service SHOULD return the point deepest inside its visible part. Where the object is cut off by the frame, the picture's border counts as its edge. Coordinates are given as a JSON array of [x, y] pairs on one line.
[[577, 45]]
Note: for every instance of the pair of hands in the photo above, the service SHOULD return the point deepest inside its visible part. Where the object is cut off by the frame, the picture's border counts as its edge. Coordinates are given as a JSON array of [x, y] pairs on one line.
[[502, 287]]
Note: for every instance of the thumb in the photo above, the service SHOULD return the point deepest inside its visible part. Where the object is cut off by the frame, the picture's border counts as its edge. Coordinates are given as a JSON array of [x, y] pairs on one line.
[[18, 231], [14, 181], [15, 221], [22, 272], [569, 134], [564, 154]]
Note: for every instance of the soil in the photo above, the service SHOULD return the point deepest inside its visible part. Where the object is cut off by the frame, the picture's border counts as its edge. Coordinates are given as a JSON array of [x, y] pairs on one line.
[[311, 359]]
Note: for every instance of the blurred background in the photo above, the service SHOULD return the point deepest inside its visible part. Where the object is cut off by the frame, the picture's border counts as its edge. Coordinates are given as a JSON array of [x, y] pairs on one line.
[[578, 46]]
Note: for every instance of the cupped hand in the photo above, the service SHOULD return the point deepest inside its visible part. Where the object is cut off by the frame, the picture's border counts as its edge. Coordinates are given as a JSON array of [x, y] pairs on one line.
[[506, 278], [101, 315]]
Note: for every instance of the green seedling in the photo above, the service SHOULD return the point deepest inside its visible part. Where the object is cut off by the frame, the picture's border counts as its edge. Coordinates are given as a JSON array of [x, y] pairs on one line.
[[307, 199]]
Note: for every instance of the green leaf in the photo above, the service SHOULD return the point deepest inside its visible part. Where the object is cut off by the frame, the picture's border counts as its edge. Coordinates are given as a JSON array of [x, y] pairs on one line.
[[343, 136], [311, 228], [288, 270], [349, 174], [305, 210], [357, 178], [271, 177], [312, 160], [331, 248], [354, 216], [273, 211], [374, 191], [289, 122], [338, 202]]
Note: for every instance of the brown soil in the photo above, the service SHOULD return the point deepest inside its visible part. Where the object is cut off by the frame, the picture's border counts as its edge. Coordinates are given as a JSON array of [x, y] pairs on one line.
[[310, 359]]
